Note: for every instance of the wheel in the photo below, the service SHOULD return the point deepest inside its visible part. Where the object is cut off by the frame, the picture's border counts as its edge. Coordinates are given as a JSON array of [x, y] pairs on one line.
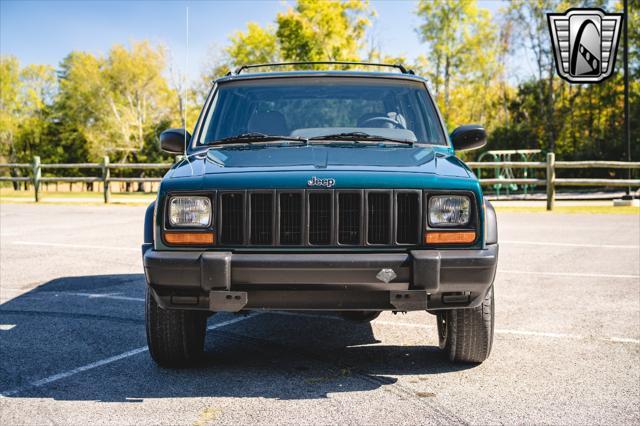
[[466, 335], [175, 337], [360, 316]]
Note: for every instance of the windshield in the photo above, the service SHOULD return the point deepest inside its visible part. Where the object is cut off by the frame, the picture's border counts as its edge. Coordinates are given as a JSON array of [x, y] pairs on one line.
[[316, 107]]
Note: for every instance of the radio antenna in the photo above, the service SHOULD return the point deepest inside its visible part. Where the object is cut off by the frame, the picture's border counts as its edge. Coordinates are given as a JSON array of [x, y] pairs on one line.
[[186, 90]]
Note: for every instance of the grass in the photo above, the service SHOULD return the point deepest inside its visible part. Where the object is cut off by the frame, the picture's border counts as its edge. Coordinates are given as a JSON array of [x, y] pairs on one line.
[[79, 195], [9, 195], [586, 209]]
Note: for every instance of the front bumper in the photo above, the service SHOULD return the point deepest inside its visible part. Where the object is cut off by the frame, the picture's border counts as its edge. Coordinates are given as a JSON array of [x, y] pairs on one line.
[[226, 281]]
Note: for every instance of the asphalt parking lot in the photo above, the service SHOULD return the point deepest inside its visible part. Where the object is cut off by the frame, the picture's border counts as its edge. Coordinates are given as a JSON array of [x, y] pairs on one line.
[[73, 347]]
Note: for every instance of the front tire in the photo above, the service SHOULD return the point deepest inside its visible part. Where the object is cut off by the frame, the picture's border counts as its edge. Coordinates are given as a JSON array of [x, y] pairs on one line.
[[466, 335], [175, 337]]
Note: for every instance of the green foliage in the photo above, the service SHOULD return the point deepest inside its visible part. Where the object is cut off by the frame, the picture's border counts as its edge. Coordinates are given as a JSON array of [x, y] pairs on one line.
[[255, 46], [309, 31], [26, 96], [117, 100], [323, 30], [9, 105], [462, 64]]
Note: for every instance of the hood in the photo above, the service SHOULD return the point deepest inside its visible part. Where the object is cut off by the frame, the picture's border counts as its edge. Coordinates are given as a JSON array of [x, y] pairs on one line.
[[322, 158]]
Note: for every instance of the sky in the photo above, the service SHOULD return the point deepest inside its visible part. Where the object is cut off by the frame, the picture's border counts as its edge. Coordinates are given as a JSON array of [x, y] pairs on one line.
[[45, 31]]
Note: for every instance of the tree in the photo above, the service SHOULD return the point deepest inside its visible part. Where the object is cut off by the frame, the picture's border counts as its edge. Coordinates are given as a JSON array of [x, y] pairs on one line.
[[255, 46], [118, 100], [37, 91], [78, 108], [9, 105], [531, 33], [461, 62], [26, 95], [137, 95], [309, 31], [323, 30]]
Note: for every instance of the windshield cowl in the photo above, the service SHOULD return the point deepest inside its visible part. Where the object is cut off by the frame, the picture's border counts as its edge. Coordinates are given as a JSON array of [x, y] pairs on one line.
[[328, 156], [353, 137]]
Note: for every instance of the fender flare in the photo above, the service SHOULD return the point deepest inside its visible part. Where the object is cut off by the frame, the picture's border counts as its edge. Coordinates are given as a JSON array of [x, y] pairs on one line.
[[148, 223], [491, 224]]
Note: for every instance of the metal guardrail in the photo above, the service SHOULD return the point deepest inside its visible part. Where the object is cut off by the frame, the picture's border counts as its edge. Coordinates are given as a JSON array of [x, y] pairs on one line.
[[105, 176], [550, 181]]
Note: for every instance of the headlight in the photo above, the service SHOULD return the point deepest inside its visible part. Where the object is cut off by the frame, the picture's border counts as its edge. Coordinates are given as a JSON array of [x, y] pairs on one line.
[[449, 210], [190, 211]]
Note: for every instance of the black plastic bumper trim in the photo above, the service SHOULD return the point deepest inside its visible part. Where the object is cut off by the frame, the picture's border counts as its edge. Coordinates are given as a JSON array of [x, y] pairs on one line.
[[324, 280]]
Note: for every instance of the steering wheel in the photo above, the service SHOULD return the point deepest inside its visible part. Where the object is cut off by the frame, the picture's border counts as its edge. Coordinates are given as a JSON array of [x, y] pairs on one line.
[[382, 121]]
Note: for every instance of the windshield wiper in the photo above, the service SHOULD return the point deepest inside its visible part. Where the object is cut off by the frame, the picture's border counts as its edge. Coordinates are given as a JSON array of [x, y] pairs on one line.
[[256, 137], [359, 136]]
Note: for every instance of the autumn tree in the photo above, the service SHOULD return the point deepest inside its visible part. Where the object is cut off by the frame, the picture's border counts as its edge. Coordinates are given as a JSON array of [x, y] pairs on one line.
[[532, 35], [9, 105], [461, 42], [257, 45], [323, 30], [118, 100], [308, 31], [26, 95]]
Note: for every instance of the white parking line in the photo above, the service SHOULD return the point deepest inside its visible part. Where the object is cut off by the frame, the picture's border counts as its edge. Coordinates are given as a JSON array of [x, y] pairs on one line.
[[568, 274], [551, 243], [523, 333], [65, 374], [105, 361], [393, 323], [109, 360], [497, 330], [77, 246], [624, 340]]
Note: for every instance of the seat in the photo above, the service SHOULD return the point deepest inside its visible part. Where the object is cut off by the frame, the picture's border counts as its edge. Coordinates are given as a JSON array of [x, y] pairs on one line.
[[270, 123]]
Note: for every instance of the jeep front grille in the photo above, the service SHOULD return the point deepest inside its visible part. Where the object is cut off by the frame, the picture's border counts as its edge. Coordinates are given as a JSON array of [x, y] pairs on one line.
[[291, 219], [261, 226], [407, 223], [349, 218], [232, 218], [379, 217], [319, 217]]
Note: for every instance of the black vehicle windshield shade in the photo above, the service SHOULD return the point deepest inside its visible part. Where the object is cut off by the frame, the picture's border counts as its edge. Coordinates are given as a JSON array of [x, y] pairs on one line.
[[309, 107]]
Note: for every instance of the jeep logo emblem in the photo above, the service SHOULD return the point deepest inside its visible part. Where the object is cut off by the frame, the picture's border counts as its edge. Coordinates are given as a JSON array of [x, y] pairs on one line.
[[323, 183]]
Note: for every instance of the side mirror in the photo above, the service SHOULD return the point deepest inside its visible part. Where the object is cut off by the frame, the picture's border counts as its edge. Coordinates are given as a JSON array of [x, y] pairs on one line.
[[173, 140], [472, 136]]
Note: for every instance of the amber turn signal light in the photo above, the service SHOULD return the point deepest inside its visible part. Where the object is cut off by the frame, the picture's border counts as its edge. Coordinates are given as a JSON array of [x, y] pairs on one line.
[[450, 237], [195, 238]]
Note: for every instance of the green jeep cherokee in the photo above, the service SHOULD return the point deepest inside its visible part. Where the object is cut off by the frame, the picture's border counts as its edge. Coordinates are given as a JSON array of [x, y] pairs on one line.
[[320, 191]]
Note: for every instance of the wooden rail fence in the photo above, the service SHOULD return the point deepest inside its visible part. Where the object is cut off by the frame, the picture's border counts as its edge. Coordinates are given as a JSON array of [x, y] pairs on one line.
[[550, 181], [105, 176]]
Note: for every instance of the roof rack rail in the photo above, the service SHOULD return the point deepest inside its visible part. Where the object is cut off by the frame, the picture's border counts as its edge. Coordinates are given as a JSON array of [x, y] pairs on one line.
[[400, 67]]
